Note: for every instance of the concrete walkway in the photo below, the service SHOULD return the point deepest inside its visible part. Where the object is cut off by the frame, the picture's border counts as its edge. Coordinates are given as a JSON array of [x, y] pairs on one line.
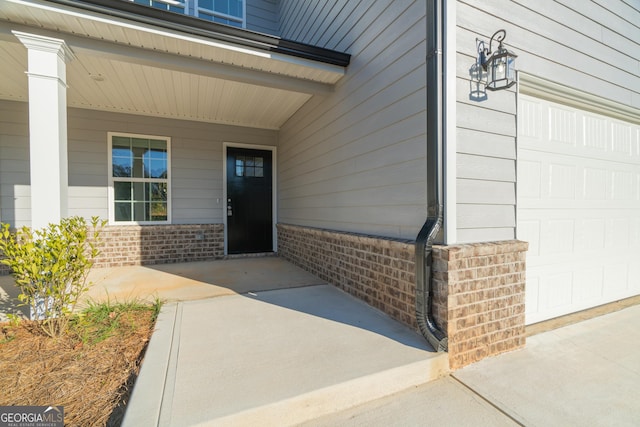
[[259, 341], [586, 374], [275, 358]]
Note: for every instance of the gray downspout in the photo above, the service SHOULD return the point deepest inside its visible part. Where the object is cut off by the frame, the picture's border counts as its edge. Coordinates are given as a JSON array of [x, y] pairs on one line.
[[435, 136]]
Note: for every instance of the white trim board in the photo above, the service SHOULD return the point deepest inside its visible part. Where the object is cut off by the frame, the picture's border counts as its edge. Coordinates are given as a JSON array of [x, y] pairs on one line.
[[546, 89]]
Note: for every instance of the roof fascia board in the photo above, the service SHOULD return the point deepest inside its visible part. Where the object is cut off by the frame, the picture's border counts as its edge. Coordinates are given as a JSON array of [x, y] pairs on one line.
[[191, 25], [175, 62]]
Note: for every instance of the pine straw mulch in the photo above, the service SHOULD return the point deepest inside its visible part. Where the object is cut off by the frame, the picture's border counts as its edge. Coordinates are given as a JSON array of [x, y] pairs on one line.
[[90, 370]]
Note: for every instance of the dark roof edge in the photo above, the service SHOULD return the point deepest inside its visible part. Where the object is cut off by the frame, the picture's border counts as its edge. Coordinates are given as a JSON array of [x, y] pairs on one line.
[[191, 25]]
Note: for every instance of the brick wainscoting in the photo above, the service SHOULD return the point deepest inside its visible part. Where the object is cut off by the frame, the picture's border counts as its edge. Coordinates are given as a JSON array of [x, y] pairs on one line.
[[160, 244], [479, 288], [378, 271], [157, 244]]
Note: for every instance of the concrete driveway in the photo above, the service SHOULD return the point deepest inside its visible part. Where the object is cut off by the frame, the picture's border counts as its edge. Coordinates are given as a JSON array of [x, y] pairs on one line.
[[584, 374]]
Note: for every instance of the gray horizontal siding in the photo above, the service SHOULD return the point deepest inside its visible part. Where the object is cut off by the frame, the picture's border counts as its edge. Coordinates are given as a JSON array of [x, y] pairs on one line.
[[591, 46], [15, 194], [572, 42], [262, 16], [355, 160], [196, 157], [485, 136]]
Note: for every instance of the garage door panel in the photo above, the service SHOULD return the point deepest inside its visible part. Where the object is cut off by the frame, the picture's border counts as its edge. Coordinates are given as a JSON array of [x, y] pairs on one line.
[[530, 179], [562, 125], [591, 235], [622, 185], [556, 290], [617, 233], [557, 237], [578, 206], [529, 231], [594, 185], [532, 293], [616, 278], [595, 134], [621, 139], [634, 278], [588, 284], [634, 234], [548, 180], [584, 134]]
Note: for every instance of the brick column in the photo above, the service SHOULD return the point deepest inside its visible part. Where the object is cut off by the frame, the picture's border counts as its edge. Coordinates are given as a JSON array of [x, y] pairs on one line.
[[482, 286]]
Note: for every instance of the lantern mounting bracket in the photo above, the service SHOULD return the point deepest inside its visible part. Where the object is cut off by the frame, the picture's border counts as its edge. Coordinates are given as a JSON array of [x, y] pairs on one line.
[[485, 54]]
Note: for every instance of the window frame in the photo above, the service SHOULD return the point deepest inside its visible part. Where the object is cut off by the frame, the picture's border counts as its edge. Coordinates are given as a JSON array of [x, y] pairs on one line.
[[192, 8], [242, 19], [169, 4], [112, 179]]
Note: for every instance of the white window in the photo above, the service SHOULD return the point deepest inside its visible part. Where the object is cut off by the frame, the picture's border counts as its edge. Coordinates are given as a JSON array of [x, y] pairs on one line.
[[179, 6], [139, 181], [230, 12]]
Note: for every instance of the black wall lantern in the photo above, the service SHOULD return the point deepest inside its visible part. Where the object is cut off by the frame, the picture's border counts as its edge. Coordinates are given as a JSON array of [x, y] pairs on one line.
[[500, 65]]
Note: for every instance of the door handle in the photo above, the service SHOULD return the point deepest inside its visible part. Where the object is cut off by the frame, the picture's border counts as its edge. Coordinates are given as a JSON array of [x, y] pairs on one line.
[[229, 208]]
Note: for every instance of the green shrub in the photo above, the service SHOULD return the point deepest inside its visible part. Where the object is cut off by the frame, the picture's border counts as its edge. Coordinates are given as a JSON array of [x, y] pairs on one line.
[[50, 266]]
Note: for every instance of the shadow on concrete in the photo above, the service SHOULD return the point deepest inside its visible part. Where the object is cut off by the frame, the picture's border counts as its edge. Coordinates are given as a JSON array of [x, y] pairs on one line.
[[331, 303], [272, 280], [9, 303], [196, 280]]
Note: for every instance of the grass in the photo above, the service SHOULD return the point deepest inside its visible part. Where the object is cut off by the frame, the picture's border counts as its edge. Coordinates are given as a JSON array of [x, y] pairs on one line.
[[90, 370], [100, 321]]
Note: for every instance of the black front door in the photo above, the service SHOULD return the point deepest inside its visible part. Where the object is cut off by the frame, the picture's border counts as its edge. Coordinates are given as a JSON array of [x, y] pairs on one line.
[[249, 201]]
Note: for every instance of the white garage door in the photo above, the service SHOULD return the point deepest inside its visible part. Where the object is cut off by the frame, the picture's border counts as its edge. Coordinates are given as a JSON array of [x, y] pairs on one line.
[[578, 207]]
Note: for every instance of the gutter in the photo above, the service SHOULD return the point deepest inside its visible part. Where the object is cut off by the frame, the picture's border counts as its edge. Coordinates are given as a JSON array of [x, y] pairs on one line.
[[195, 26], [435, 142]]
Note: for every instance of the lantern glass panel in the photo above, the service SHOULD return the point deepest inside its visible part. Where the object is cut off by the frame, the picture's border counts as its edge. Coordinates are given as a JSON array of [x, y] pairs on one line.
[[501, 70]]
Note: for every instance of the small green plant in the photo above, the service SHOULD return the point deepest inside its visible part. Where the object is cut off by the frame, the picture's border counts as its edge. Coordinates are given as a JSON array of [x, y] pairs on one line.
[[50, 266], [101, 320]]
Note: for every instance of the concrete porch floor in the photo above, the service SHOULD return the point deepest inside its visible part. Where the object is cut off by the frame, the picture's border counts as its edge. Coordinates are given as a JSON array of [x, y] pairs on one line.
[[197, 280], [177, 282]]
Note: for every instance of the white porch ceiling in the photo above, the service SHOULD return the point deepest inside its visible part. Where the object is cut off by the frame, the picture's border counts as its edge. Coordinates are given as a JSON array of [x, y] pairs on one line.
[[138, 69]]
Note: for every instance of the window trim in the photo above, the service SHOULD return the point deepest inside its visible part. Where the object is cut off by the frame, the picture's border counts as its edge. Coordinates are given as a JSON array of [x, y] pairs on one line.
[[192, 8], [111, 180], [242, 19]]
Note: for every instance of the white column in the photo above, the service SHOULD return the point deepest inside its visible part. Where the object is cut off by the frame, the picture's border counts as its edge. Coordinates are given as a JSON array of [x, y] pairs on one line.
[[47, 127]]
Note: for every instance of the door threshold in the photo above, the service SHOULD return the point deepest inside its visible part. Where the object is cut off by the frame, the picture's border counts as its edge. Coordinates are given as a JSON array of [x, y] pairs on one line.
[[251, 255]]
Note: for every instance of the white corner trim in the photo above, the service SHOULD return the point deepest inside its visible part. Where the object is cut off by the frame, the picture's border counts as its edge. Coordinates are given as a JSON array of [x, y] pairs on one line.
[[450, 145]]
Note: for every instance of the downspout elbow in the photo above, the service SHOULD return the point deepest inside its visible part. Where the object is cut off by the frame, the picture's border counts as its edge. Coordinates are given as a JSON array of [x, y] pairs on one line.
[[424, 285]]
